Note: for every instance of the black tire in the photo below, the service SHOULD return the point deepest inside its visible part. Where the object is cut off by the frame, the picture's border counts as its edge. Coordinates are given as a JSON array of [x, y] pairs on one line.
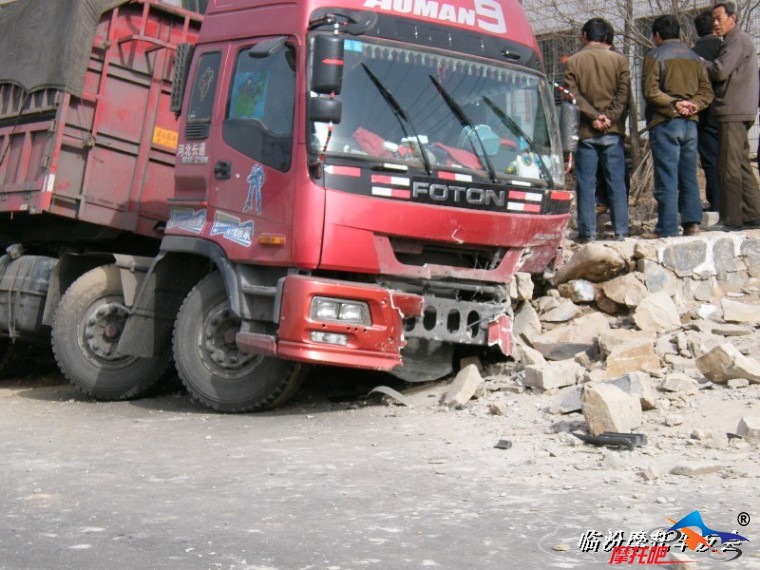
[[212, 368], [7, 357], [86, 331]]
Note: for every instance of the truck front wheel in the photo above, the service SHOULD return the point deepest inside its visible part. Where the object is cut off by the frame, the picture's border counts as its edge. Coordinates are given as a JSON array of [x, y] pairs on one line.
[[210, 365], [86, 331]]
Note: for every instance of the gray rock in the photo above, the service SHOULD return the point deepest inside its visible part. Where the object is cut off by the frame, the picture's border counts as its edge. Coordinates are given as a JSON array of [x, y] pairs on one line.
[[657, 278], [567, 400], [737, 383], [685, 256], [750, 251], [724, 258]]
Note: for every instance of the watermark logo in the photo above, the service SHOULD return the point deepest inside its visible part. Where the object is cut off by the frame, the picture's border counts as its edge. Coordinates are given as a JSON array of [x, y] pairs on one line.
[[689, 535]]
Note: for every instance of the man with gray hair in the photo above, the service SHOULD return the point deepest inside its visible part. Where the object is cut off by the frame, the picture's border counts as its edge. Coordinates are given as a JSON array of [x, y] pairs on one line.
[[734, 75]]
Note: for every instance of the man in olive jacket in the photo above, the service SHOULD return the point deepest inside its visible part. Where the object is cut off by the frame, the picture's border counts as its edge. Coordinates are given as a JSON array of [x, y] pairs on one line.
[[599, 78], [734, 75], [676, 89]]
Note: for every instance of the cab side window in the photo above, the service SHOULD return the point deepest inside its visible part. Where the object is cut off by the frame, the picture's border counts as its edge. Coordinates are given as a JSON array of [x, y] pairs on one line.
[[259, 116], [203, 95]]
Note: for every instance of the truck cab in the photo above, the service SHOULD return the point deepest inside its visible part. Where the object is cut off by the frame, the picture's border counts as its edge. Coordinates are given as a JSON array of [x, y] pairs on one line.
[[366, 178]]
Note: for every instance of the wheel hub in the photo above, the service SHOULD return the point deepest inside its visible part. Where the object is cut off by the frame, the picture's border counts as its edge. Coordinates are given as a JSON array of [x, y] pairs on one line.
[[221, 327], [103, 330]]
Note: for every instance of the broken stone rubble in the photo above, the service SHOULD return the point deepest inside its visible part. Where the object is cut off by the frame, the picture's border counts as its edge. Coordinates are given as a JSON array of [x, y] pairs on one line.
[[652, 326]]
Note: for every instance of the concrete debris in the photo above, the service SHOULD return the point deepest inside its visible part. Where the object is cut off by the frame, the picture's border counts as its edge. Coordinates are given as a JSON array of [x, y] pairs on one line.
[[564, 311], [634, 353], [725, 362], [680, 384], [593, 262], [696, 469], [526, 324], [567, 400], [736, 383], [527, 356], [738, 312], [578, 291], [626, 290], [658, 312], [577, 336], [749, 427], [466, 361], [553, 374], [463, 387], [639, 385], [521, 287], [607, 408], [497, 408]]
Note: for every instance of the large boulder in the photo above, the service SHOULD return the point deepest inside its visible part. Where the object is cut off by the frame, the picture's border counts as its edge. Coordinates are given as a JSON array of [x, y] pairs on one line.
[[579, 335], [725, 362], [593, 262]]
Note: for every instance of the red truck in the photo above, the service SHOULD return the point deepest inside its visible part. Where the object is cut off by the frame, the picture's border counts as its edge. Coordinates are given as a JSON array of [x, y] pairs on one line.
[[354, 183]]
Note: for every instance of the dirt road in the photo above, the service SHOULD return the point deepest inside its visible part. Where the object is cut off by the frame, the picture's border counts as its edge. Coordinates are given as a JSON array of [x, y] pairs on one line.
[[351, 483]]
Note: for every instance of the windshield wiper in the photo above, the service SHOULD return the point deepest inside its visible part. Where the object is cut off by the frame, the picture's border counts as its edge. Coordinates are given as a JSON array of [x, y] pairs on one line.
[[465, 121], [400, 113], [510, 123]]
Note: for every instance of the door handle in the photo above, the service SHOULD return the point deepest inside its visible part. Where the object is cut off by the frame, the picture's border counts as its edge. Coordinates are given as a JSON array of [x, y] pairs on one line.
[[223, 170]]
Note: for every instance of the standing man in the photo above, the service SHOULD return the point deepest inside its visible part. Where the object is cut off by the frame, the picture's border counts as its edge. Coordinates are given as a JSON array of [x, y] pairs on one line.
[[734, 74], [707, 47], [676, 88], [599, 78]]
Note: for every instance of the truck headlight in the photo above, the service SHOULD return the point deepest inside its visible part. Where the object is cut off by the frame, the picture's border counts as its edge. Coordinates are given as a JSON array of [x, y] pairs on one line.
[[340, 310]]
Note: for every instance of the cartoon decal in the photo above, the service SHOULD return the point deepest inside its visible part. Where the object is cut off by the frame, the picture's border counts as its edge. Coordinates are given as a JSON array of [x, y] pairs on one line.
[[187, 219], [255, 184], [231, 228]]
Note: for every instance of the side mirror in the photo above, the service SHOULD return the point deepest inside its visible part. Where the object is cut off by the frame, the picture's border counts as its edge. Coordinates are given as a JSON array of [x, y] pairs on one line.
[[327, 69], [325, 109], [267, 47], [569, 121]]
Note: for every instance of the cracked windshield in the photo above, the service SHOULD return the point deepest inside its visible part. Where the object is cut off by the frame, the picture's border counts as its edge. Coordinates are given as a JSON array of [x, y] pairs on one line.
[[433, 111]]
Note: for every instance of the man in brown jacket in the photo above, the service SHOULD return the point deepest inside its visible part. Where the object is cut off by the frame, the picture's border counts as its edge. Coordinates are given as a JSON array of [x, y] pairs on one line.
[[600, 80], [676, 88], [734, 74]]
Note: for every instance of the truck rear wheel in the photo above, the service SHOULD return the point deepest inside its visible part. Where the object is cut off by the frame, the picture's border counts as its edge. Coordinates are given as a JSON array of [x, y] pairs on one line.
[[210, 365], [86, 330]]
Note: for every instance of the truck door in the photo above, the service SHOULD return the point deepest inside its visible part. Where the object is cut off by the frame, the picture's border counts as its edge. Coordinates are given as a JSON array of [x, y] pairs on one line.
[[253, 189]]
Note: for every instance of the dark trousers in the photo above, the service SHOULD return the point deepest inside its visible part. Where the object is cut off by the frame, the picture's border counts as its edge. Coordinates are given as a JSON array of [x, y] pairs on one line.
[[708, 158], [739, 193]]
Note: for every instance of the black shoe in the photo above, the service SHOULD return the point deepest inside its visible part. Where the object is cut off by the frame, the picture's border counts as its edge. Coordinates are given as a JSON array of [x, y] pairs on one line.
[[585, 239], [620, 237], [723, 228], [752, 224]]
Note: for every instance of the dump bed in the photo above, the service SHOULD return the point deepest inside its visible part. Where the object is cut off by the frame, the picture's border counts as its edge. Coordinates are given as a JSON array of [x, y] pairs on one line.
[[86, 132]]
